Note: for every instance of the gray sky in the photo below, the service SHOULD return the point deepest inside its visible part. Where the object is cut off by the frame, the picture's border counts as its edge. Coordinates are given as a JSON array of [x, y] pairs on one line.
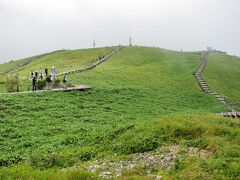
[[30, 27]]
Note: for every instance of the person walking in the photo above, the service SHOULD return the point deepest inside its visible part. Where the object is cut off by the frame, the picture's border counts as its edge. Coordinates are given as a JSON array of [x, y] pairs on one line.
[[64, 81], [34, 81], [41, 74], [31, 74], [36, 75], [53, 72], [49, 82], [46, 72]]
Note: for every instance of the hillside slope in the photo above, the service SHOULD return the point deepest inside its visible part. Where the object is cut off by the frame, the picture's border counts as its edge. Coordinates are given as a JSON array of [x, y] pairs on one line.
[[62, 60], [166, 77], [66, 60], [143, 99]]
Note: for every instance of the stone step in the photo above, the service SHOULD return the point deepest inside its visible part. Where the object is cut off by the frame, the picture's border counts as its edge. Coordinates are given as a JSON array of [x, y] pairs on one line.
[[238, 114], [207, 90], [224, 102], [218, 96], [214, 93], [221, 99]]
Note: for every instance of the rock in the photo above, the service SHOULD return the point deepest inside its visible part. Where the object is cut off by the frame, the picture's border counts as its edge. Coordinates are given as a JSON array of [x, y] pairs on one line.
[[158, 177], [93, 168]]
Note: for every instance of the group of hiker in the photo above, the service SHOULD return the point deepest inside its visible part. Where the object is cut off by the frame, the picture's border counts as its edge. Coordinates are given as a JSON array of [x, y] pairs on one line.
[[49, 77]]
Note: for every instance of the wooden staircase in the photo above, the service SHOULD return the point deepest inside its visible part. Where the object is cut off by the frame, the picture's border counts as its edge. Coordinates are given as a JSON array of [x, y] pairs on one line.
[[204, 86]]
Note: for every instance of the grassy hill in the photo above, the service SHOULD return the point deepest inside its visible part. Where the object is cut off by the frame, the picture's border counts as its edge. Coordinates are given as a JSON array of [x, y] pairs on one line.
[[143, 101], [63, 60], [10, 65], [66, 60], [222, 74]]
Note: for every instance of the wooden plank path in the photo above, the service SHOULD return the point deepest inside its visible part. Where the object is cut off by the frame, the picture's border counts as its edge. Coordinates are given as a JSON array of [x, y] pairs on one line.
[[68, 89], [204, 86], [94, 64]]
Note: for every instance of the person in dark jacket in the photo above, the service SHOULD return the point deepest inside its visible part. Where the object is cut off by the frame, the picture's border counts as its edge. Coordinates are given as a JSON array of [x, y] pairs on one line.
[[34, 82], [46, 72], [31, 74], [36, 75], [64, 81], [49, 81]]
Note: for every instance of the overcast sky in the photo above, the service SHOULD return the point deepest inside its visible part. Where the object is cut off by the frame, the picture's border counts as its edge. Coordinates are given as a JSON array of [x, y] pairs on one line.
[[30, 27]]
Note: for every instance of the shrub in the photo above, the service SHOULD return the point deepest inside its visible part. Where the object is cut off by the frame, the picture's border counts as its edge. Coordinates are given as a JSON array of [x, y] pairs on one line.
[[41, 84], [199, 142], [45, 161], [12, 83], [188, 132], [144, 145]]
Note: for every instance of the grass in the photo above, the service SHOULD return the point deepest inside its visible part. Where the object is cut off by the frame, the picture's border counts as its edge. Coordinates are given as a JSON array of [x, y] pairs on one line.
[[65, 60], [62, 60], [27, 172], [10, 65], [142, 99], [222, 74]]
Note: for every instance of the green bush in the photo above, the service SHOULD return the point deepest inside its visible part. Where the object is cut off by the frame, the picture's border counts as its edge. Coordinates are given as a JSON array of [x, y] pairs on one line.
[[188, 132], [199, 142], [144, 145], [41, 84], [48, 160], [12, 83]]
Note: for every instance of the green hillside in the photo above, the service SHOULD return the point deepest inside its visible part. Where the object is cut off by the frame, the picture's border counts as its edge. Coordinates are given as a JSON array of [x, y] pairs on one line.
[[66, 60], [10, 65], [143, 101], [222, 74], [63, 60]]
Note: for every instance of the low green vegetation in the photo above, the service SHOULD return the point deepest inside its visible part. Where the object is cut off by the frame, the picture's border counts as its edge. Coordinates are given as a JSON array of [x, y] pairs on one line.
[[223, 75], [65, 60], [11, 65], [142, 99]]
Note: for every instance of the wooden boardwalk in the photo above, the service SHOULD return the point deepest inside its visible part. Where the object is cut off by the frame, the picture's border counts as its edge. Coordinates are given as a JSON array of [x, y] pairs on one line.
[[68, 89], [204, 86]]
